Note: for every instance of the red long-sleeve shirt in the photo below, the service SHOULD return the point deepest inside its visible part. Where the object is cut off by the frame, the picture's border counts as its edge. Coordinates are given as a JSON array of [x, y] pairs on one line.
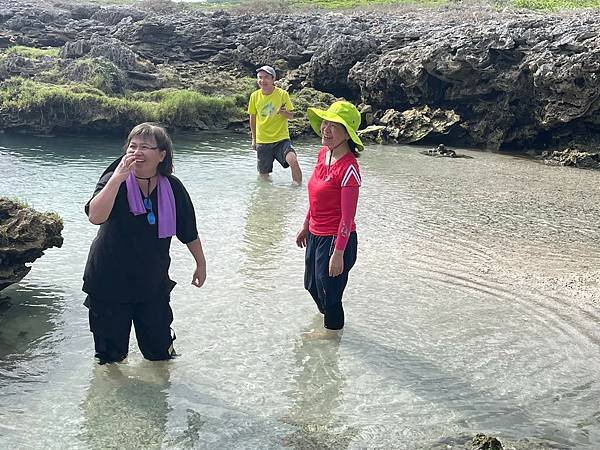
[[333, 197]]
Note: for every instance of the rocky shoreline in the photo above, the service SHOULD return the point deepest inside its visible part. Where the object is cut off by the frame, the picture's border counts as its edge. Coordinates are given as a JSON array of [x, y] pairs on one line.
[[473, 77]]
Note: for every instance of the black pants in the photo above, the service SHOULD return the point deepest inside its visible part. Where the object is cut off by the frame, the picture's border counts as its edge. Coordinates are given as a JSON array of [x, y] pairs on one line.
[[327, 291], [110, 322]]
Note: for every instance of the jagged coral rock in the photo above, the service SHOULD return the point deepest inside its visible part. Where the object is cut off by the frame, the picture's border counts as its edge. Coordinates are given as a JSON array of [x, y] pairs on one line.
[[24, 235]]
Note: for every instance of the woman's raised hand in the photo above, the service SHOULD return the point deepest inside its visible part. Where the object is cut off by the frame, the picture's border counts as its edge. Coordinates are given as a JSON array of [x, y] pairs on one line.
[[124, 168]]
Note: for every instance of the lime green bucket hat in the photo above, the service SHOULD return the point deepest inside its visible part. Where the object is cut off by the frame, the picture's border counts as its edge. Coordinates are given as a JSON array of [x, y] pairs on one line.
[[339, 112]]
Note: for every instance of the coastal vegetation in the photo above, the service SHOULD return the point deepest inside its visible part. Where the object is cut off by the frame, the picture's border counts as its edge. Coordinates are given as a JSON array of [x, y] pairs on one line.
[[415, 75], [94, 93], [527, 4], [540, 5], [100, 100], [30, 52]]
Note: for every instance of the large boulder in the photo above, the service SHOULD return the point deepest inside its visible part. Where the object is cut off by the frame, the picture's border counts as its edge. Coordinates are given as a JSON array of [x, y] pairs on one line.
[[572, 157], [24, 235], [412, 125]]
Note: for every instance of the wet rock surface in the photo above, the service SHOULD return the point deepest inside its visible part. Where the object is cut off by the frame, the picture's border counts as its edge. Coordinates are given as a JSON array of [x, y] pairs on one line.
[[508, 79], [24, 235], [441, 151], [483, 441], [572, 157]]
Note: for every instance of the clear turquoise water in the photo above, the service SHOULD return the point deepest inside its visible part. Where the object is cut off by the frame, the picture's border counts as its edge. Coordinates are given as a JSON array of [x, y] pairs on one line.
[[474, 307]]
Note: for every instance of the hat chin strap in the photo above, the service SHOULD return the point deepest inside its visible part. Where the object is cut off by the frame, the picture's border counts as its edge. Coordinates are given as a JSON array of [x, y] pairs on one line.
[[334, 148]]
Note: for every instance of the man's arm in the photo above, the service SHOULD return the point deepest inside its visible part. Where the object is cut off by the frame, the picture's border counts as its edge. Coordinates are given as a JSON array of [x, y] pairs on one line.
[[289, 115], [287, 109], [253, 130]]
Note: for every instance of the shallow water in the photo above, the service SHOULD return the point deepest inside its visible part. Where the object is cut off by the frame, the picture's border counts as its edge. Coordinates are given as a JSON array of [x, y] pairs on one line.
[[473, 307]]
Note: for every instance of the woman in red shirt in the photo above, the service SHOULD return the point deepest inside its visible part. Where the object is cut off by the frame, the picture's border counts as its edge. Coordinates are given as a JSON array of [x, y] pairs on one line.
[[329, 231]]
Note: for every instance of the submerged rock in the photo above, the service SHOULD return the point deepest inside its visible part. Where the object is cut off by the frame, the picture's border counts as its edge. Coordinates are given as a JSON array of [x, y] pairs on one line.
[[440, 150], [484, 442], [24, 235]]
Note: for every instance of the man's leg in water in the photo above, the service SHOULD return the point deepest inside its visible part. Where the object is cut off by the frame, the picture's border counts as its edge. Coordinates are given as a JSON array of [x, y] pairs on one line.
[[292, 159]]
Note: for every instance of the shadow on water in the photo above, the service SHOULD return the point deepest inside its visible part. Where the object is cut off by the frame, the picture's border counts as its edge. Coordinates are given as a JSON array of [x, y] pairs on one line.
[[27, 321], [126, 406], [266, 222], [481, 410], [318, 392]]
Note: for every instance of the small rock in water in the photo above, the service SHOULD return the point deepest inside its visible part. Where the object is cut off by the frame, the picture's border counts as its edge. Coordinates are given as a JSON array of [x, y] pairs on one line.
[[484, 442], [441, 150]]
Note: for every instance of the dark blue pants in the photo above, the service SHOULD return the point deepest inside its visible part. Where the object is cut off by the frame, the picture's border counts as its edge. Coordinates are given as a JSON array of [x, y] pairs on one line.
[[110, 322], [327, 291]]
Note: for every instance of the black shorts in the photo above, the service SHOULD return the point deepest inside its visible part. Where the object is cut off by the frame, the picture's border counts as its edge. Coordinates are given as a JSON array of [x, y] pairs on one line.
[[110, 322], [267, 153]]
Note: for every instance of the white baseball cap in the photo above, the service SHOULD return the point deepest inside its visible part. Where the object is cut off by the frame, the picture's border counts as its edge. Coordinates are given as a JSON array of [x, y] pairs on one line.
[[267, 69]]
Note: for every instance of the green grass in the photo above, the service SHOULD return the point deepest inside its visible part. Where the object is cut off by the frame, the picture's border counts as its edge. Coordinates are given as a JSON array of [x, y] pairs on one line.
[[48, 106], [55, 217], [552, 5], [347, 4], [19, 202], [191, 109], [278, 5], [100, 74], [527, 4], [31, 52]]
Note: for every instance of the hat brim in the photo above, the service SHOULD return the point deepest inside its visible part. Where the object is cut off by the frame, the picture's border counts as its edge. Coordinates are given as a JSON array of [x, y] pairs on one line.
[[316, 116]]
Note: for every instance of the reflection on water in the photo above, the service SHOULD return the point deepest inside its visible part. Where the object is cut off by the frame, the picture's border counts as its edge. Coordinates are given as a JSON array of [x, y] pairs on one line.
[[317, 394], [269, 208], [126, 406], [29, 317]]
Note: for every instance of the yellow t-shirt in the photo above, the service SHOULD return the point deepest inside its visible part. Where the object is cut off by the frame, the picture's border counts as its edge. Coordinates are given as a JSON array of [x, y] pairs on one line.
[[270, 125]]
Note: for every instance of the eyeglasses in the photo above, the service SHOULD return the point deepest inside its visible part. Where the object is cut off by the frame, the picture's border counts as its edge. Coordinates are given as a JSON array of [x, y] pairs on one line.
[[150, 216], [327, 124], [133, 147]]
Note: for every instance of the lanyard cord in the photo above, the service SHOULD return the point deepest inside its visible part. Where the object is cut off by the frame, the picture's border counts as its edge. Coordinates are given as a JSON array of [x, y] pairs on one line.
[[148, 180]]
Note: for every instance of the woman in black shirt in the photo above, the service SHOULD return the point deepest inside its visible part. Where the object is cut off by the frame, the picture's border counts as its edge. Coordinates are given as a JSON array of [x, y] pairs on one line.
[[139, 206]]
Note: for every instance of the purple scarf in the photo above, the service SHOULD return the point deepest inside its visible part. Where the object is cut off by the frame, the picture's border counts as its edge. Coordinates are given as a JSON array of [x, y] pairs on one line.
[[166, 204]]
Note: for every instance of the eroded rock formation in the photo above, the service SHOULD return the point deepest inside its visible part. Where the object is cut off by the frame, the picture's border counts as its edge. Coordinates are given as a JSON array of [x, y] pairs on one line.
[[512, 79], [24, 235]]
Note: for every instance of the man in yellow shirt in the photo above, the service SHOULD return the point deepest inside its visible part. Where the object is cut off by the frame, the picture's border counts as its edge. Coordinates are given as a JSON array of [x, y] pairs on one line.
[[270, 108]]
